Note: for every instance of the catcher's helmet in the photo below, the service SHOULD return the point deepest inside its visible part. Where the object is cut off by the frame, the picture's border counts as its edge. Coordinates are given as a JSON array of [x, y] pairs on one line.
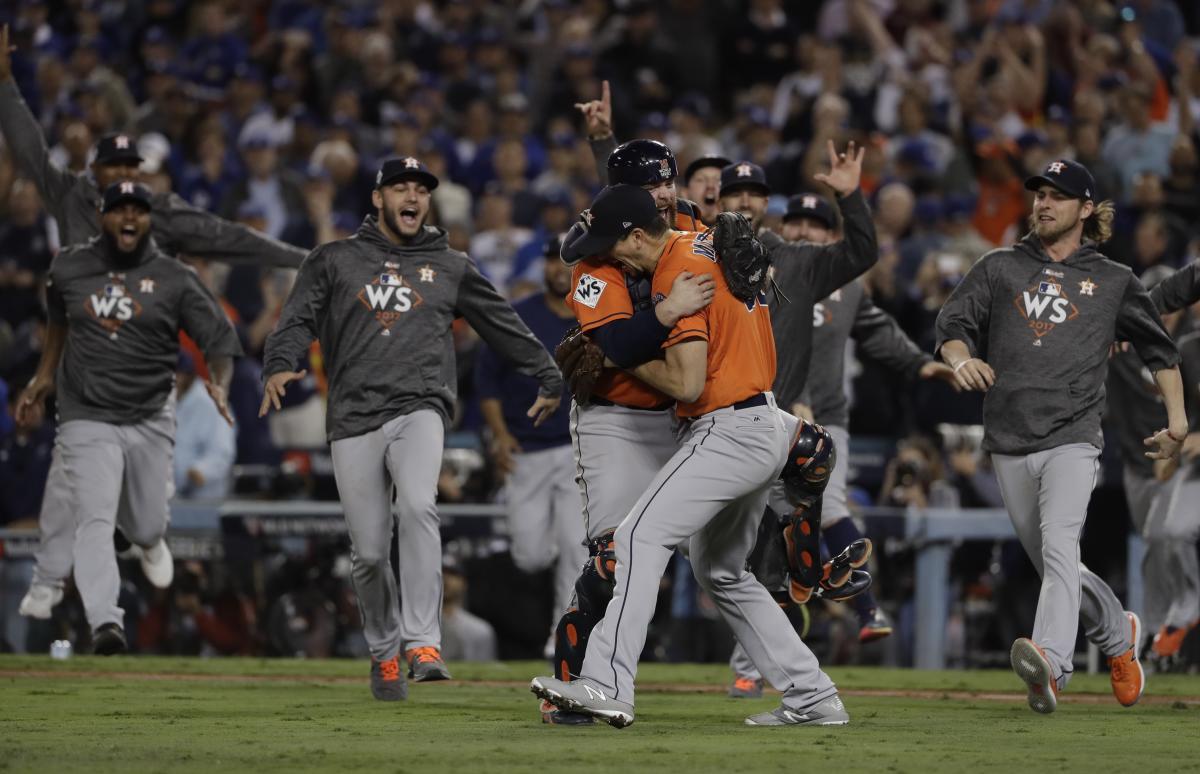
[[641, 162]]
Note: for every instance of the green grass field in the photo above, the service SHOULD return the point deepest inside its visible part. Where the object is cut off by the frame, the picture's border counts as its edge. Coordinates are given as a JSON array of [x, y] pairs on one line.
[[185, 715]]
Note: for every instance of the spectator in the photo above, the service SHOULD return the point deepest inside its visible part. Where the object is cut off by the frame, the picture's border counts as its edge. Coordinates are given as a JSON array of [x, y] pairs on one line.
[[277, 191], [27, 244], [497, 239], [465, 636], [204, 442], [1137, 143]]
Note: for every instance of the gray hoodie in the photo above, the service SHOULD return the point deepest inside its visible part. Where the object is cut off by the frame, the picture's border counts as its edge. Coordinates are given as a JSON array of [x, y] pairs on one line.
[[383, 313], [1046, 328], [74, 201]]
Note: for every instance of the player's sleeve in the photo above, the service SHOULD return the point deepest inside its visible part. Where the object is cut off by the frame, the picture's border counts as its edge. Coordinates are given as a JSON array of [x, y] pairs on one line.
[[299, 321], [825, 268], [202, 318], [1138, 323], [498, 324], [1181, 289], [965, 315], [694, 326], [601, 150], [598, 296], [631, 341], [882, 339], [181, 228], [1189, 369], [24, 137], [56, 305]]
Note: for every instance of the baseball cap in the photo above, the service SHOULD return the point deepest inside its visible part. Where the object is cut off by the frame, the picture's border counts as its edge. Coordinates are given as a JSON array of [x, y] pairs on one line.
[[811, 206], [117, 149], [743, 174], [125, 191], [616, 210], [1070, 177], [720, 162], [407, 168]]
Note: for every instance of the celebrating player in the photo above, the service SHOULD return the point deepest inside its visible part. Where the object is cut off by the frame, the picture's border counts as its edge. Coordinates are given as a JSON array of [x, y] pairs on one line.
[[120, 303], [382, 303], [1031, 326], [719, 365]]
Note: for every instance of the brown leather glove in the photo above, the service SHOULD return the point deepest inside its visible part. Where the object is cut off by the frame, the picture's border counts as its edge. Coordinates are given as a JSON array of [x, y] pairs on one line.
[[581, 362]]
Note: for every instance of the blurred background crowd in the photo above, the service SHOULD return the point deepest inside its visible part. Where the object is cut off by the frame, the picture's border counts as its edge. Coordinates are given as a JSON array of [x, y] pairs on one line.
[[275, 113]]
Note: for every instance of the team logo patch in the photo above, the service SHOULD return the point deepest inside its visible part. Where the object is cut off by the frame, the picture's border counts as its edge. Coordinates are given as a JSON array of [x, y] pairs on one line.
[[146, 285], [427, 273], [388, 296], [1055, 167], [588, 290], [1087, 287], [1045, 306], [112, 306], [664, 168]]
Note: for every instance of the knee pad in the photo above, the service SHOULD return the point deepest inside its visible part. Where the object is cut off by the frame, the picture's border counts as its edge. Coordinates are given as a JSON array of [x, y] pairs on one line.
[[593, 590], [809, 465]]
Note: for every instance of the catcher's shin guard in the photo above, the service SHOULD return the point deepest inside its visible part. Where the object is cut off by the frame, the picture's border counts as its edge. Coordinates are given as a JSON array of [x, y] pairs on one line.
[[810, 462], [593, 590]]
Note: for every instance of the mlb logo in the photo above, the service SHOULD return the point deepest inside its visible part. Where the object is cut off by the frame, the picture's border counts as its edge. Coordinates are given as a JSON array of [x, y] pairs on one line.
[[390, 280], [664, 168], [1049, 289], [114, 291]]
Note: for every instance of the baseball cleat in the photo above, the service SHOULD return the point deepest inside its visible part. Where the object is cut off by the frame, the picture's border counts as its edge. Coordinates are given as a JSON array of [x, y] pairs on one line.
[[426, 665], [1128, 679], [858, 582], [746, 688], [387, 681], [830, 712], [39, 601], [553, 716], [876, 627], [1031, 665], [109, 640], [158, 565], [1167, 641], [584, 696]]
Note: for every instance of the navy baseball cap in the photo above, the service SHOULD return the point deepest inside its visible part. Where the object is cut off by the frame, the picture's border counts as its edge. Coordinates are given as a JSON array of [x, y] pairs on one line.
[[407, 168], [1070, 177], [743, 174], [720, 162], [117, 149], [125, 191], [811, 206], [616, 210]]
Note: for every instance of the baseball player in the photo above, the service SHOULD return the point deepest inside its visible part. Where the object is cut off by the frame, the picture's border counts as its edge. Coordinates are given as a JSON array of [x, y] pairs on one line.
[[845, 313], [122, 303], [1163, 511], [537, 462], [1031, 326], [718, 366], [382, 304], [73, 200]]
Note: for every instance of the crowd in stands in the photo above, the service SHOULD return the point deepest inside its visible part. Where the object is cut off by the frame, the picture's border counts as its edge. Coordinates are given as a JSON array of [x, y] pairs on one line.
[[275, 113]]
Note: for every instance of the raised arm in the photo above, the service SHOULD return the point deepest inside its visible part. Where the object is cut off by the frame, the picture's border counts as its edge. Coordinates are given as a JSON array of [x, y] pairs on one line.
[[598, 116], [1180, 290], [180, 228]]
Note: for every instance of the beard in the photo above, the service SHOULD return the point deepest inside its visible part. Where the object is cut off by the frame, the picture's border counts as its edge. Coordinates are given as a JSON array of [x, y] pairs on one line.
[[122, 258]]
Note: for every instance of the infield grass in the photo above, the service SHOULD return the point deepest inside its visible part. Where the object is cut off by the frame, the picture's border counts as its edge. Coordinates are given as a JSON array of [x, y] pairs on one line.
[[193, 715]]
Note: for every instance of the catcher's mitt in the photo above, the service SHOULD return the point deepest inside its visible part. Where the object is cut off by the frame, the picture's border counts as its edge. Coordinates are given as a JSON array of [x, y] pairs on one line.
[[744, 260], [581, 362]]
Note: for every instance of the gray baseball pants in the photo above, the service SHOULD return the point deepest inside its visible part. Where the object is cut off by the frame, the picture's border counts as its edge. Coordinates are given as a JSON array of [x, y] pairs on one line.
[[711, 492], [407, 453], [107, 468], [1047, 494], [543, 518], [1167, 516]]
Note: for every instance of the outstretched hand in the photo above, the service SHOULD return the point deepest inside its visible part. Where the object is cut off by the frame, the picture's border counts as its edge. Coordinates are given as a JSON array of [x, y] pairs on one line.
[[217, 393], [598, 114], [542, 408], [274, 389], [845, 169]]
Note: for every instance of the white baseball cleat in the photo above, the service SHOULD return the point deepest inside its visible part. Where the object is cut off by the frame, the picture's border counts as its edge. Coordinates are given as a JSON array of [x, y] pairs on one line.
[[584, 696], [39, 601], [830, 712], [158, 565]]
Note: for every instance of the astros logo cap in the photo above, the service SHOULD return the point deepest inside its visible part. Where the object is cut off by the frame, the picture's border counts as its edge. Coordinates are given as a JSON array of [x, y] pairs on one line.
[[1070, 177]]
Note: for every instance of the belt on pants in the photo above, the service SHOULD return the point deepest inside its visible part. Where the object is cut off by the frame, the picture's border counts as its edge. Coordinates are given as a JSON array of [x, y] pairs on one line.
[[753, 401], [602, 402]]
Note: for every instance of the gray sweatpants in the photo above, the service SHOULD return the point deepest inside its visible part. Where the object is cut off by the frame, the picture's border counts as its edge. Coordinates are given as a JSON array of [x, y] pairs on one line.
[[1047, 494], [543, 518], [107, 468], [712, 493], [1170, 524], [56, 527], [406, 452]]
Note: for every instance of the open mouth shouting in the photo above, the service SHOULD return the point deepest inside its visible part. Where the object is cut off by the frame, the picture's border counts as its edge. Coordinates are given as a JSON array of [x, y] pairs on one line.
[[128, 237], [410, 218]]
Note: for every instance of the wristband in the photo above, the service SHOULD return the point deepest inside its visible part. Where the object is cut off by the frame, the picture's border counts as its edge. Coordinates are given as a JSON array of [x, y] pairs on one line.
[[963, 363], [1173, 438]]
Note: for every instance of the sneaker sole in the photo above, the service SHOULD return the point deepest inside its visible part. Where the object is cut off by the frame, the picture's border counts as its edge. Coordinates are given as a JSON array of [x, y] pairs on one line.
[[1031, 666], [1137, 657], [838, 722], [615, 718], [431, 677], [871, 635]]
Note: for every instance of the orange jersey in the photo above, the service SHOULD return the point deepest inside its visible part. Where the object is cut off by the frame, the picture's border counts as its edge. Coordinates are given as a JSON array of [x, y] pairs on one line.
[[687, 218], [600, 296], [741, 347]]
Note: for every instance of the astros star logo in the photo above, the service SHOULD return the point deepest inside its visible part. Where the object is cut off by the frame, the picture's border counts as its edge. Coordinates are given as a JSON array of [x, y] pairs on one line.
[[1056, 167], [586, 217], [146, 286], [809, 202], [1087, 286], [411, 163], [744, 170], [121, 141], [427, 273]]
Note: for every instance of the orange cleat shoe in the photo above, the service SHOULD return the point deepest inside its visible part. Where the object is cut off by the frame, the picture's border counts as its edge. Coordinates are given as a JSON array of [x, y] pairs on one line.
[[1128, 679], [387, 684], [746, 688], [1168, 641], [425, 664]]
